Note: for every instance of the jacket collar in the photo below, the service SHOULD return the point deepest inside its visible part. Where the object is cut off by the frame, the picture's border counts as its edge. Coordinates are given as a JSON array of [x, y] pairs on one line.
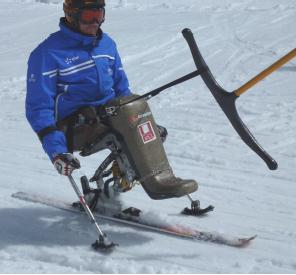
[[79, 37]]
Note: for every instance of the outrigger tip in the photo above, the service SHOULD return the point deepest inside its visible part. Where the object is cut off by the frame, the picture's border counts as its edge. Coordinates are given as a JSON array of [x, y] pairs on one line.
[[102, 246]]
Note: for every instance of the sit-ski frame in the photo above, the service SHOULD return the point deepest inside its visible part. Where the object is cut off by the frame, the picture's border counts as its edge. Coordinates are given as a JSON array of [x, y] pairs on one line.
[[226, 101]]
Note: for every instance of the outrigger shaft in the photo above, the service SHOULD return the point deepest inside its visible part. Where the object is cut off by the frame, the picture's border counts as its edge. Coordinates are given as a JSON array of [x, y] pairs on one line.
[[276, 65]]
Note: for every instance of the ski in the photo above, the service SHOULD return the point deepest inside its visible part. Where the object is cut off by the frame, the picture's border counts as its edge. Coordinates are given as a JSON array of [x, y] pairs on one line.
[[142, 221]]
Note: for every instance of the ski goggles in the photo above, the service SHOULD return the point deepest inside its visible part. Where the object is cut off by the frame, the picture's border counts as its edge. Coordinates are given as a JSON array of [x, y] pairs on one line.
[[89, 16]]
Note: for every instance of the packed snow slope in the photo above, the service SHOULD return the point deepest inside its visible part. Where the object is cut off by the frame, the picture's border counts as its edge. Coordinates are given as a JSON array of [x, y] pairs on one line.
[[238, 39]]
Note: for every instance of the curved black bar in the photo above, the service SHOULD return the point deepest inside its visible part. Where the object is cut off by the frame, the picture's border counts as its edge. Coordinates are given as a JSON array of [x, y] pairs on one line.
[[226, 101], [164, 87]]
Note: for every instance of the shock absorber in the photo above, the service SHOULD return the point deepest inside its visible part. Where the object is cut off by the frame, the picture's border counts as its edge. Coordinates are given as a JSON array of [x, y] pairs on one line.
[[121, 184]]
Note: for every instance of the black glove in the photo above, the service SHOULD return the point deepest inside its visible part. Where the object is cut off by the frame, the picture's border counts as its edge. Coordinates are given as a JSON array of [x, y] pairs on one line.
[[65, 163]]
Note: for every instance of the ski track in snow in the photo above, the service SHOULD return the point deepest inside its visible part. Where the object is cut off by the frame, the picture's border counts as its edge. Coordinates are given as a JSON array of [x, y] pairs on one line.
[[237, 39]]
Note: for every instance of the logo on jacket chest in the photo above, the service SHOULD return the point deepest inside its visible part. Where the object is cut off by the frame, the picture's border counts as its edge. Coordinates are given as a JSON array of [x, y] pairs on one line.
[[70, 60]]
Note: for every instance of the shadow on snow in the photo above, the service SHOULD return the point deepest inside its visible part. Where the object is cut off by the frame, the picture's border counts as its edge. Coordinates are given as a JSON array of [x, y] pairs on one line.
[[53, 227]]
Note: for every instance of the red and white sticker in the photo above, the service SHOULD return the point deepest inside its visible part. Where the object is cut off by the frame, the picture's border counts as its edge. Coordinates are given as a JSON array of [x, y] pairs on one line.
[[146, 132]]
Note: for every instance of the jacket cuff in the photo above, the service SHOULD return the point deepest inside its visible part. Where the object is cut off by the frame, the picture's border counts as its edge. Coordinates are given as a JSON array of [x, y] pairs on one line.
[[54, 143], [45, 131]]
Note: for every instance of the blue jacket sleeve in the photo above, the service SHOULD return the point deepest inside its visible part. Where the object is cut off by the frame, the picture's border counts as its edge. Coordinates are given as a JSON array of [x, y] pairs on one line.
[[40, 100], [121, 84]]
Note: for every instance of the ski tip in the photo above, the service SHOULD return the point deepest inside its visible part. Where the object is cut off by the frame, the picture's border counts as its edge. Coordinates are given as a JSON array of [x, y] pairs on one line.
[[246, 241], [252, 238]]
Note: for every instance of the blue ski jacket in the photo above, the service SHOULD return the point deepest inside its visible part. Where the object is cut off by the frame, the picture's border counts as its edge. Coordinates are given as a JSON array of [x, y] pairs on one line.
[[67, 71]]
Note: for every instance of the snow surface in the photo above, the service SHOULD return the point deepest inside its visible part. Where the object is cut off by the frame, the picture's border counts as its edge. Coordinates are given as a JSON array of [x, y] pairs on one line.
[[238, 39]]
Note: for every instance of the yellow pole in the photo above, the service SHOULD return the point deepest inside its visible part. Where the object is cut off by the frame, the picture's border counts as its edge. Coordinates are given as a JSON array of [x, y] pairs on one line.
[[266, 72]]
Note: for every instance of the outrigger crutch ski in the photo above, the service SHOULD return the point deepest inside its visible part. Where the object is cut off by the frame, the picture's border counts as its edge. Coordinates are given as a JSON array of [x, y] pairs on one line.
[[226, 101]]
